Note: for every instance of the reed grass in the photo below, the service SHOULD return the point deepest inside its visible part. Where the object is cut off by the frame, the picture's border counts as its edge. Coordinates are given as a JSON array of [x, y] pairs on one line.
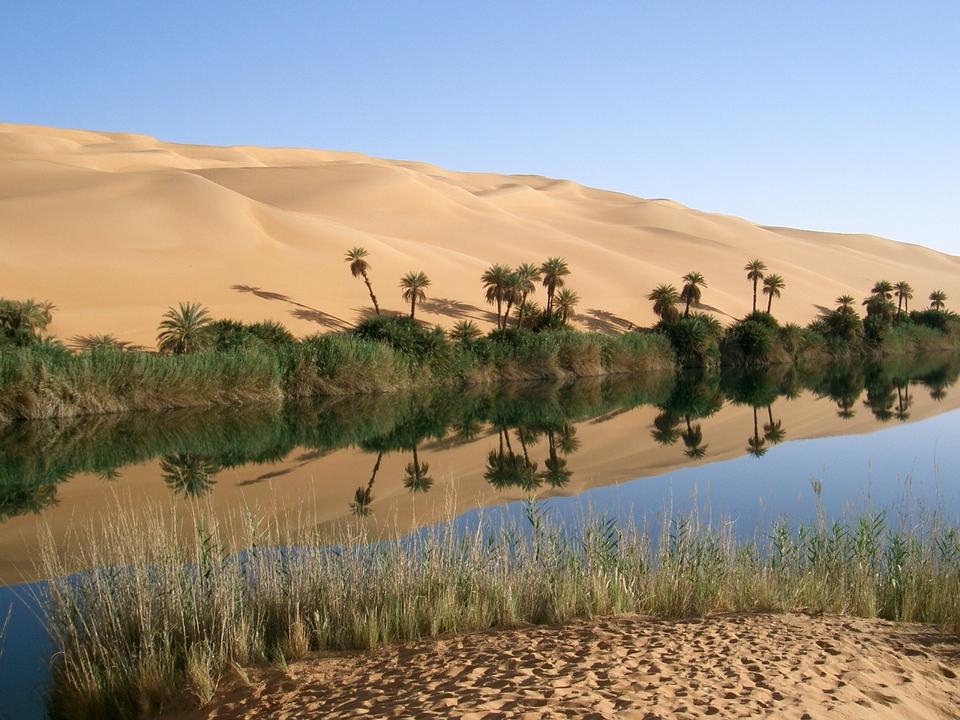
[[44, 382], [171, 606]]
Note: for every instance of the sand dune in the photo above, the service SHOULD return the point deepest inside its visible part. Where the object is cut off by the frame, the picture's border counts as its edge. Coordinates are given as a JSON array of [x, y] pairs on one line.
[[783, 666], [113, 228]]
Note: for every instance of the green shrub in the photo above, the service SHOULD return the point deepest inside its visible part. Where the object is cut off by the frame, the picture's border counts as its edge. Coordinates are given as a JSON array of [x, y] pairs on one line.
[[695, 339]]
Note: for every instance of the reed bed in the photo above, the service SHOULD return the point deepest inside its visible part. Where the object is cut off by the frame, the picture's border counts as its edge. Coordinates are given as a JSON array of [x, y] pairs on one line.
[[49, 382], [171, 605]]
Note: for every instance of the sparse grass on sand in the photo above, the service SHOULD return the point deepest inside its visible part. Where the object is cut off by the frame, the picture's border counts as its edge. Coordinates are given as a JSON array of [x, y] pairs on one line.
[[166, 610]]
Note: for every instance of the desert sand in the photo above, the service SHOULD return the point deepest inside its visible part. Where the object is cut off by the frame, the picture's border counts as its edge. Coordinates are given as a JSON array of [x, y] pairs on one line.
[[732, 666], [114, 228]]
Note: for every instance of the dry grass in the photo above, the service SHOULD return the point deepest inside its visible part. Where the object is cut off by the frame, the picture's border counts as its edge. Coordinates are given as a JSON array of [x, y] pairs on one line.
[[166, 608]]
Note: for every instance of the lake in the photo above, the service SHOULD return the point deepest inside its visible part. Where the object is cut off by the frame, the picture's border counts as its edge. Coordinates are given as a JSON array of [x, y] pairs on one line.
[[751, 446]]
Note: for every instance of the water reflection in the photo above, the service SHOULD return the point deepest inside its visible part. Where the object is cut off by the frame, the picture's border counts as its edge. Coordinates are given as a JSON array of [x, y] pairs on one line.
[[530, 431]]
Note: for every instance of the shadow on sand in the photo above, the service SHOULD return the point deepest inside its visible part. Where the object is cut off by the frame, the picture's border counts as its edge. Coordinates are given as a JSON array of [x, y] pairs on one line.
[[300, 310]]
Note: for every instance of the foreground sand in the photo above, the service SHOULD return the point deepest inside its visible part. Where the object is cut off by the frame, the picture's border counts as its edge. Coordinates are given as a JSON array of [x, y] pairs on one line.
[[736, 666], [114, 228]]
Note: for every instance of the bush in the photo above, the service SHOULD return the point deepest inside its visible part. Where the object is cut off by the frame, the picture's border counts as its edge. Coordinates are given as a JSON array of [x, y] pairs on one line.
[[942, 320], [23, 321], [695, 339], [755, 340], [409, 337], [234, 335]]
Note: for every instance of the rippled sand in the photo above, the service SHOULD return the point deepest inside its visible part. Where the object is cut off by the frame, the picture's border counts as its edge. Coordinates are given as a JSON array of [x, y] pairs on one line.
[[732, 666]]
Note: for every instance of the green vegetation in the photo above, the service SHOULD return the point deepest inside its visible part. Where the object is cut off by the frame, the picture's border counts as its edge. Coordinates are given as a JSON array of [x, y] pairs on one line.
[[758, 339], [204, 361], [165, 609], [185, 330]]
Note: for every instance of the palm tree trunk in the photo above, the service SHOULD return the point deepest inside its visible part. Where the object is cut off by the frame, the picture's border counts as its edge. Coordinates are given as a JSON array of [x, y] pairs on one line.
[[499, 306], [413, 307], [523, 302], [506, 315], [754, 294], [899, 303], [372, 296], [550, 289], [769, 303], [770, 413], [686, 310]]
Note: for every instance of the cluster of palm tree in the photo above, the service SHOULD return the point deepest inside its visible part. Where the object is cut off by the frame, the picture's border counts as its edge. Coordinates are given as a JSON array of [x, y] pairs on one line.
[[187, 328], [509, 289], [665, 298], [773, 284], [413, 285], [23, 321], [880, 299]]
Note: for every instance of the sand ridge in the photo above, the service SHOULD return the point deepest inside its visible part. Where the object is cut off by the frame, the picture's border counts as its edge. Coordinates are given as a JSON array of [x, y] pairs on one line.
[[728, 666], [114, 228]]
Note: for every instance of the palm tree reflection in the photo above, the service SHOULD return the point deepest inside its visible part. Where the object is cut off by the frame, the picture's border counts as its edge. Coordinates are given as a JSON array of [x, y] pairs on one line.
[[188, 474]]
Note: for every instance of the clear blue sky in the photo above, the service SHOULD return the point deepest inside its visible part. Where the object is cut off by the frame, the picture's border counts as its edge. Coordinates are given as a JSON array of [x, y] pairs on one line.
[[821, 114]]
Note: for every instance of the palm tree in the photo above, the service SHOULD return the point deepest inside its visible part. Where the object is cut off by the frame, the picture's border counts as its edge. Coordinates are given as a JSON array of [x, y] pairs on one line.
[[553, 271], [416, 474], [904, 295], [495, 280], [512, 294], [665, 299], [938, 299], [845, 304], [772, 285], [528, 312], [22, 321], [464, 332], [755, 270], [413, 284], [566, 301], [691, 292], [883, 288], [527, 275], [359, 267], [185, 330]]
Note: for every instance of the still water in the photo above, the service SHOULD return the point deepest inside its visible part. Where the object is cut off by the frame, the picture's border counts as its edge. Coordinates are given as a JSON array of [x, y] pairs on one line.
[[749, 445]]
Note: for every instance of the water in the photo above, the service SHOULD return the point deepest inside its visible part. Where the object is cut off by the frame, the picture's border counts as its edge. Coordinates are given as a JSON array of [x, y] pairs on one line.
[[749, 446]]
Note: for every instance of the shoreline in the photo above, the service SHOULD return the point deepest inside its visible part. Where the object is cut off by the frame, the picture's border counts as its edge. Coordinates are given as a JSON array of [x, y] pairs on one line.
[[786, 665]]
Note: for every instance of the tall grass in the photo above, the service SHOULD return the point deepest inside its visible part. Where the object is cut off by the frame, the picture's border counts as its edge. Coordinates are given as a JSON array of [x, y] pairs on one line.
[[36, 383], [47, 382], [169, 606]]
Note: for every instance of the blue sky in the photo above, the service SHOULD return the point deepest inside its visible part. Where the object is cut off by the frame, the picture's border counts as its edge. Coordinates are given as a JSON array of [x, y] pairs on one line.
[[818, 114]]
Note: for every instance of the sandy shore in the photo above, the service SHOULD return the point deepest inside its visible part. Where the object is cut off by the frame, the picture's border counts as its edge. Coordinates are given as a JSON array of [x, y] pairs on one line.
[[732, 666]]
